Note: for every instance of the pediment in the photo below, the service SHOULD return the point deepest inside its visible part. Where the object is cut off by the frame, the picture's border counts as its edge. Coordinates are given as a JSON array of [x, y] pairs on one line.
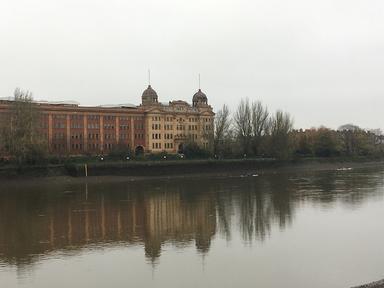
[[154, 110], [207, 113]]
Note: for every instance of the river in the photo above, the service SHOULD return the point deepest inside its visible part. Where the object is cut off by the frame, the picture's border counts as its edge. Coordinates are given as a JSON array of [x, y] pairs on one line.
[[307, 229]]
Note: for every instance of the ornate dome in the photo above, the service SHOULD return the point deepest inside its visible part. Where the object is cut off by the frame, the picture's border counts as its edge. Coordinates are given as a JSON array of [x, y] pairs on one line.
[[199, 98], [149, 96]]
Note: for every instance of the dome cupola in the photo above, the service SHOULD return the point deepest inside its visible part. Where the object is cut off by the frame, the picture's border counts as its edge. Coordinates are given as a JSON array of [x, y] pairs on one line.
[[149, 96], [199, 98]]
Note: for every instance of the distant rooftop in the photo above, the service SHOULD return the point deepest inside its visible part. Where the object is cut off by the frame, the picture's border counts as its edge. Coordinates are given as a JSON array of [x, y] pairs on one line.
[[72, 103], [126, 105]]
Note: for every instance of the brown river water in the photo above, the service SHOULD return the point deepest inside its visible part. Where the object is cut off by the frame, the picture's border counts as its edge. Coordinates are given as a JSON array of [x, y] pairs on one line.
[[307, 229]]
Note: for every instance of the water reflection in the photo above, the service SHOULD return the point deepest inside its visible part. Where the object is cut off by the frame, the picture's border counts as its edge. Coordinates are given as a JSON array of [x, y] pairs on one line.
[[40, 218]]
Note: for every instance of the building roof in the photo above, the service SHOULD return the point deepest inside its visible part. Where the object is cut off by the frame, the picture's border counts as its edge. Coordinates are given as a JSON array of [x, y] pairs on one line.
[[199, 98], [126, 105], [149, 91]]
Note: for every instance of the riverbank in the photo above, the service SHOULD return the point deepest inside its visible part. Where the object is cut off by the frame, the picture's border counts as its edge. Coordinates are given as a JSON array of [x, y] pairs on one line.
[[166, 168]]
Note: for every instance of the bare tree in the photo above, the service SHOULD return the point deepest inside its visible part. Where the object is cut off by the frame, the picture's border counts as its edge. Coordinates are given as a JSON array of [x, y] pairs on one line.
[[208, 136], [21, 138], [222, 129], [260, 116], [280, 126], [243, 125], [281, 123], [3, 128]]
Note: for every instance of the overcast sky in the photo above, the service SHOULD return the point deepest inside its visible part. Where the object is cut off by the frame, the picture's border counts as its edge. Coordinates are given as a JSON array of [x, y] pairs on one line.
[[322, 61]]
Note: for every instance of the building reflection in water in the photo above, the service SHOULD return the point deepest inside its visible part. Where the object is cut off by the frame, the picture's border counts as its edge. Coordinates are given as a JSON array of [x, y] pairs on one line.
[[38, 219]]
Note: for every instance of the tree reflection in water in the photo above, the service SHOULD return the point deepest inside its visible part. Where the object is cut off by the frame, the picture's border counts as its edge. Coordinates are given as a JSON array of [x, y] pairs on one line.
[[40, 218]]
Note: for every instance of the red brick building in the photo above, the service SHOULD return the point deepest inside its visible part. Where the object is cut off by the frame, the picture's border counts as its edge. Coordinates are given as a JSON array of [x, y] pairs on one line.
[[73, 129]]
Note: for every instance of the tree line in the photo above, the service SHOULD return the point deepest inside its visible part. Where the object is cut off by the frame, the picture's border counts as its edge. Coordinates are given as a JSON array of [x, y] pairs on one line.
[[252, 131]]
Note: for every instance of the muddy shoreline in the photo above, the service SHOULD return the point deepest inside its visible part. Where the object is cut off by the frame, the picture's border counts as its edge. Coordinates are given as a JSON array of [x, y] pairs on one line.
[[116, 172]]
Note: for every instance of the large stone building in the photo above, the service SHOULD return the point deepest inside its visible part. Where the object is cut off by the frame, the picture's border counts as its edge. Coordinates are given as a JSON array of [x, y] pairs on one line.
[[150, 127], [169, 126]]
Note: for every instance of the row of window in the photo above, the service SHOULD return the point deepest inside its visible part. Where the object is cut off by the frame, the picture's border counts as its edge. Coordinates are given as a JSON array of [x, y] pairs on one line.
[[59, 146], [93, 146], [156, 136], [108, 145], [77, 136], [79, 146], [156, 145], [139, 136], [58, 136], [92, 136], [109, 126], [166, 136], [76, 125], [94, 117], [62, 125], [95, 136], [192, 136], [170, 119], [76, 117], [59, 125], [139, 126], [76, 146], [109, 136], [93, 126], [97, 117]]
